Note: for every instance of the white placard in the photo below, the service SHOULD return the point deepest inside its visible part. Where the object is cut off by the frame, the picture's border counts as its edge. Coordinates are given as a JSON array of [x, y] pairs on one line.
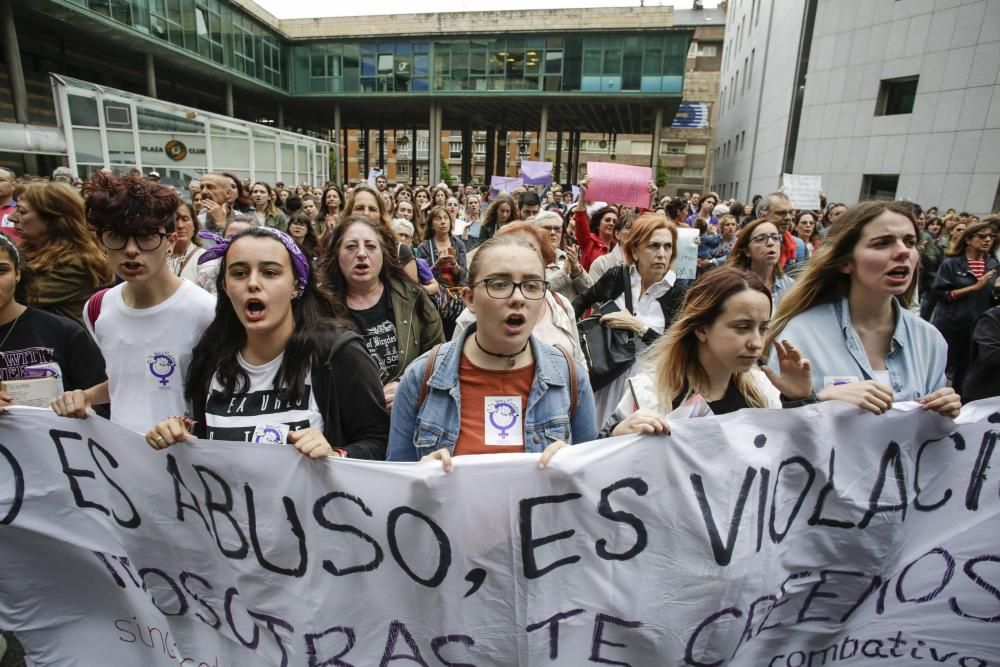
[[816, 536], [803, 191], [373, 175], [686, 265]]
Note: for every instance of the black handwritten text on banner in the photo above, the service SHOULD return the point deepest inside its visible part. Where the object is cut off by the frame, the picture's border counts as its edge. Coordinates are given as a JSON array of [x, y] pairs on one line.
[[816, 536]]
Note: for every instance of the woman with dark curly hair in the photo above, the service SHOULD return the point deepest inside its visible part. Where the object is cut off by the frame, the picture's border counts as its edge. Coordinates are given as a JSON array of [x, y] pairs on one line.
[[396, 319], [59, 249], [147, 325]]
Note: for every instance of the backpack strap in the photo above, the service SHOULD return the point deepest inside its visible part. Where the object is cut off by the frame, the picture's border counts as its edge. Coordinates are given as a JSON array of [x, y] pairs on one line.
[[94, 307], [428, 370], [573, 389]]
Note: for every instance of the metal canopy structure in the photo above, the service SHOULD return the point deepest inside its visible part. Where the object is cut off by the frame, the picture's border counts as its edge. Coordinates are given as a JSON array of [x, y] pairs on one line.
[[623, 114]]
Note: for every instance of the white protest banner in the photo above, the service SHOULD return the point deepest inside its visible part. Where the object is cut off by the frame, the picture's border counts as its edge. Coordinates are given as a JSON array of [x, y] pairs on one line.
[[803, 191], [686, 264], [622, 184], [816, 536], [373, 175]]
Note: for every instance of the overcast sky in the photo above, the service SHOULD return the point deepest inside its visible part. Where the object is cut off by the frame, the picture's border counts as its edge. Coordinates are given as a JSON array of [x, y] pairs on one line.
[[293, 9]]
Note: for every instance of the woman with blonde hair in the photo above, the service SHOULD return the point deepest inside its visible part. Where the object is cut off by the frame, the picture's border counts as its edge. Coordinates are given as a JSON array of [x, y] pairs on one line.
[[645, 294], [59, 248], [711, 352], [502, 209], [758, 249], [848, 313]]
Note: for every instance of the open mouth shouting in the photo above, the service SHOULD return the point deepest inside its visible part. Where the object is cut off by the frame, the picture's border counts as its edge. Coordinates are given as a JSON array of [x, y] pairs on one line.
[[254, 310], [130, 268], [514, 324], [899, 275]]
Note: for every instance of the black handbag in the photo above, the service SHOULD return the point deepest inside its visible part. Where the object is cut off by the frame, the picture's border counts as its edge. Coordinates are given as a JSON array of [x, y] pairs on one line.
[[609, 352]]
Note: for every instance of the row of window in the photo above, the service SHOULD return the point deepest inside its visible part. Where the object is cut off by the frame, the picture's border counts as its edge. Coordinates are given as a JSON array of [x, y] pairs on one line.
[[220, 33], [210, 28], [647, 63]]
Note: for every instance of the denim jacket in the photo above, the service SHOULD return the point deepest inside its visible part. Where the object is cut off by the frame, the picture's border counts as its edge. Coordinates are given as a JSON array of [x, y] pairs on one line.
[[418, 430], [825, 335]]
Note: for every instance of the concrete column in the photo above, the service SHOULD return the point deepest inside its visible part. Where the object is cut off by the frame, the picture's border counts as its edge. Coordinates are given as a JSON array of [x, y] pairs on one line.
[[437, 140], [150, 75], [558, 166], [12, 54], [501, 169], [413, 156], [657, 136], [341, 149], [542, 133], [230, 108], [490, 153], [381, 145], [467, 152], [433, 146]]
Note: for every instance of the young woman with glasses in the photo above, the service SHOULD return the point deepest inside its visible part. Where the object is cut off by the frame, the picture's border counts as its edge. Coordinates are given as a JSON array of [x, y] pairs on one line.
[[62, 254], [146, 326], [496, 388], [758, 249], [966, 286], [848, 313]]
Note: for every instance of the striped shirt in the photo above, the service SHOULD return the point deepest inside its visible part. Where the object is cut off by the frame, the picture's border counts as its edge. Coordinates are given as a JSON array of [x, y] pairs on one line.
[[261, 414]]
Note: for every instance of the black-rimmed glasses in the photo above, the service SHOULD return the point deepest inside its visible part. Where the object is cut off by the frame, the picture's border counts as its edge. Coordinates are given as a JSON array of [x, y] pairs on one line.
[[112, 240], [503, 288]]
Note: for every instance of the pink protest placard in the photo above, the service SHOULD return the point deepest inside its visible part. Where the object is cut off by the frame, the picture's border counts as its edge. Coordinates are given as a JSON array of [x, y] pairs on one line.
[[622, 184]]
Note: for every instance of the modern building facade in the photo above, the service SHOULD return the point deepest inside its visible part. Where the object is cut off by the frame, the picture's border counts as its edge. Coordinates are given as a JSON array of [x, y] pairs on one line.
[[499, 74], [881, 98]]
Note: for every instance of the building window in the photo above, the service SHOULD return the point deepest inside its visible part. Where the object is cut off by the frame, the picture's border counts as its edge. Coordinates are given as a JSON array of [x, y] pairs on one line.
[[402, 169], [879, 186], [896, 96], [455, 149]]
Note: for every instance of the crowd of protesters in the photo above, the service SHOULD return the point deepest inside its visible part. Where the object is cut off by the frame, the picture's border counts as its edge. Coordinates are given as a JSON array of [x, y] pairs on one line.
[[389, 322]]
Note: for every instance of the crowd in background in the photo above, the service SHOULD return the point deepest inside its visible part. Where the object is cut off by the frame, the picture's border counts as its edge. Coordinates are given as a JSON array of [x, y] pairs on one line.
[[377, 320]]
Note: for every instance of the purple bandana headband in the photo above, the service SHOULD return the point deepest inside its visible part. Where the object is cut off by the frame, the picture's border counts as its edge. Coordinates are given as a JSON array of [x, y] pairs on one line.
[[300, 263]]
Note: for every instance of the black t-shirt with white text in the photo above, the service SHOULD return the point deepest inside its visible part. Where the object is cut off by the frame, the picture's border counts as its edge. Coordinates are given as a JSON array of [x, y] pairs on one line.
[[39, 344], [379, 331]]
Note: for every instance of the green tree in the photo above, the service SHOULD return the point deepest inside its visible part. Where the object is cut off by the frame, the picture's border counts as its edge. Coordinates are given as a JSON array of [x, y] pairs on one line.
[[446, 174], [661, 174]]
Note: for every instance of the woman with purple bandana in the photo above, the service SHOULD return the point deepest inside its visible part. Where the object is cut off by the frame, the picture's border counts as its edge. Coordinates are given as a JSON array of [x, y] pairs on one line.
[[279, 364]]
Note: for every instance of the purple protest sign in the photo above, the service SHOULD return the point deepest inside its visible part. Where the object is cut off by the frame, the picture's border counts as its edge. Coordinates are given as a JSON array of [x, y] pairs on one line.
[[504, 184], [536, 173], [622, 184]]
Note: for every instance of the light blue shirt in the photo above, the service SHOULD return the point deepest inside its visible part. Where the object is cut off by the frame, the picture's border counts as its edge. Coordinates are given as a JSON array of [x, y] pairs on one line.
[[827, 338]]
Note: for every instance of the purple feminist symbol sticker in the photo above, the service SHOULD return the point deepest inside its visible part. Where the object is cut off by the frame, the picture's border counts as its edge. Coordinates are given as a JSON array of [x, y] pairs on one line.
[[502, 410], [162, 366], [270, 436]]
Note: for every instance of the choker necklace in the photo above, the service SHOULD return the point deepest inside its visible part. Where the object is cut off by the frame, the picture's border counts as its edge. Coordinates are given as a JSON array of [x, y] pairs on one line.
[[509, 357]]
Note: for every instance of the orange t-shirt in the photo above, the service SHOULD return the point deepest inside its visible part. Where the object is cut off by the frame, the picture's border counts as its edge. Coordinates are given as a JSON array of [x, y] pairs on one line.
[[493, 405]]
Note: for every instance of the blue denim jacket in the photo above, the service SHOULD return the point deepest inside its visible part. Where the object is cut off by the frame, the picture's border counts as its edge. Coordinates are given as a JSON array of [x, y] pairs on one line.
[[826, 337], [418, 430]]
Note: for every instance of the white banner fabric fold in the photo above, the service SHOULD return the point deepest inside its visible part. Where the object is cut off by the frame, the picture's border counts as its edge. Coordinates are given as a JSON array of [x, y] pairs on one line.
[[816, 536]]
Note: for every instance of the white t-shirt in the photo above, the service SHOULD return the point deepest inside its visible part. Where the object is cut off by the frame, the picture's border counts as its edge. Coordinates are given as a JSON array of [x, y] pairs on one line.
[[259, 415], [147, 352]]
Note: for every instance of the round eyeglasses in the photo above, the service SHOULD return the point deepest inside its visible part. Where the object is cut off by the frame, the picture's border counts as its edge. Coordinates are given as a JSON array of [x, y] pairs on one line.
[[503, 288]]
